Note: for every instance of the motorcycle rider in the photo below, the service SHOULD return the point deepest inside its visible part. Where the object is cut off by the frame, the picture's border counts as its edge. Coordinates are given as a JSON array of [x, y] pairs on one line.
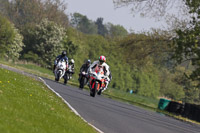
[[102, 63], [59, 57], [71, 67], [84, 68]]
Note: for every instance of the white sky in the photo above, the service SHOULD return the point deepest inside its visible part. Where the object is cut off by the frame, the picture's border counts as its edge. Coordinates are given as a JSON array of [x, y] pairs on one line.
[[105, 9]]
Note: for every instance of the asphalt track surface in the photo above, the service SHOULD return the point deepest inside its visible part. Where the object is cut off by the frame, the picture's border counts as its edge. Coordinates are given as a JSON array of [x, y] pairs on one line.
[[111, 116]]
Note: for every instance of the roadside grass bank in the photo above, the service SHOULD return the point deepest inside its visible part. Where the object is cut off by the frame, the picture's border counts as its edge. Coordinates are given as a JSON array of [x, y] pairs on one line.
[[28, 106], [140, 101]]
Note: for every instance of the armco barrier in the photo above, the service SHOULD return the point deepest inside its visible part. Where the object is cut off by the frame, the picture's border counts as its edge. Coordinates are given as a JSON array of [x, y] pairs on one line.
[[175, 107], [190, 111]]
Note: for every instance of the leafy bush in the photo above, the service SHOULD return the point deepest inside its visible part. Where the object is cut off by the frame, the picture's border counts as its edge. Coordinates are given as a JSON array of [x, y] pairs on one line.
[[10, 40], [46, 42]]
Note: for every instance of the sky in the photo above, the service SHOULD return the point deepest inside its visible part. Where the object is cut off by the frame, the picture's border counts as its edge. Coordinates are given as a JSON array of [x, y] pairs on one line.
[[94, 9]]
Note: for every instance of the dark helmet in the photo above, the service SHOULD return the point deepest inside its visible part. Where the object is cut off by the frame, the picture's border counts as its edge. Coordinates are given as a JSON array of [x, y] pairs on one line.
[[64, 53], [88, 61]]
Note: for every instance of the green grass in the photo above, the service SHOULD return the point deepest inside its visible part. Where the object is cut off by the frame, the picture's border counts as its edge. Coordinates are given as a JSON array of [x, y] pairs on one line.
[[146, 102], [27, 106], [35, 68]]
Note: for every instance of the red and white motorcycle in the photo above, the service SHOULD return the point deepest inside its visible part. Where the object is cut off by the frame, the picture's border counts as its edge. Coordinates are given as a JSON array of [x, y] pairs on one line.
[[60, 71], [97, 81]]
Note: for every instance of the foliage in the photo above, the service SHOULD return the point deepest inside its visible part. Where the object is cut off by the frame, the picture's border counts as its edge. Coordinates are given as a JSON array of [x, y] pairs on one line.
[[171, 84], [101, 28], [151, 8], [83, 24], [141, 50], [116, 30], [147, 84], [10, 39], [31, 12], [187, 42], [47, 41]]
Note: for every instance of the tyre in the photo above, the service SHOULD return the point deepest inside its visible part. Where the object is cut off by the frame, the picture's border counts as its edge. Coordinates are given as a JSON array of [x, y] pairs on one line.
[[65, 78], [93, 90], [82, 82], [58, 76]]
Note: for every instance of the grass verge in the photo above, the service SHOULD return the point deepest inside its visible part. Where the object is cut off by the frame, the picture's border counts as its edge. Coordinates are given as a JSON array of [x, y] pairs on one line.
[[27, 106]]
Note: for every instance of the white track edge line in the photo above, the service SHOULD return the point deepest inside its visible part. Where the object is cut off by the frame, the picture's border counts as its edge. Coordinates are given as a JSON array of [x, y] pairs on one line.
[[70, 106]]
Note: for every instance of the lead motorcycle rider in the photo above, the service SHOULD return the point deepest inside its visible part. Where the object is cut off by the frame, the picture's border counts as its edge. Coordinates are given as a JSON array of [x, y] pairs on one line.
[[59, 57], [101, 62]]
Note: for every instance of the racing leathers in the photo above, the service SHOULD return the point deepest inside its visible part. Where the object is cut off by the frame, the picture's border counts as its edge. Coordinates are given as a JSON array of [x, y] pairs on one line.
[[105, 69], [70, 70], [58, 58], [84, 68]]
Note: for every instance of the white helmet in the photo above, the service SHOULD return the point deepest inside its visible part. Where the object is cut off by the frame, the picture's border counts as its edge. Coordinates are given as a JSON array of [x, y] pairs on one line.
[[72, 61]]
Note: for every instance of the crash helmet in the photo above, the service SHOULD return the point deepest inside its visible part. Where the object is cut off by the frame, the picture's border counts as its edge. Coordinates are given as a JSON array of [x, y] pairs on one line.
[[88, 61], [64, 53], [72, 61], [102, 59]]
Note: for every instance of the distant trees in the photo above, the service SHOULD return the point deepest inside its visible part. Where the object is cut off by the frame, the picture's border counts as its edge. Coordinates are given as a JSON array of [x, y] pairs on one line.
[[101, 28], [31, 12], [116, 30], [83, 24], [10, 40]]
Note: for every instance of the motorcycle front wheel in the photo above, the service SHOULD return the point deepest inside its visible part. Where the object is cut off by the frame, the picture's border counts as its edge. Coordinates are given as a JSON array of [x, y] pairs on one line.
[[94, 90], [57, 77]]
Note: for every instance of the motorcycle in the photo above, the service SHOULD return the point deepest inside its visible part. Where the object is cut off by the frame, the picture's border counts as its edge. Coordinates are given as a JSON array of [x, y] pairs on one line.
[[69, 72], [97, 81], [60, 71], [83, 80]]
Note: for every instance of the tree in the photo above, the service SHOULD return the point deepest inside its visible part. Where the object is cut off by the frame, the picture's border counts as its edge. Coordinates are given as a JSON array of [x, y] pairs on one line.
[[10, 40], [31, 12], [116, 30], [187, 42], [47, 41], [83, 24], [150, 8], [4, 4], [101, 28]]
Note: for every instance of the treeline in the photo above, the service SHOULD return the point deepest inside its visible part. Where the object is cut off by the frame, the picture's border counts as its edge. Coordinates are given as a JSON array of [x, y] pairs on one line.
[[39, 30]]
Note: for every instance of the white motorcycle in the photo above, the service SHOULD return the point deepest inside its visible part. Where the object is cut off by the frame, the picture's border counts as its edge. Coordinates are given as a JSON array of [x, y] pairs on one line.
[[60, 71], [69, 72]]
